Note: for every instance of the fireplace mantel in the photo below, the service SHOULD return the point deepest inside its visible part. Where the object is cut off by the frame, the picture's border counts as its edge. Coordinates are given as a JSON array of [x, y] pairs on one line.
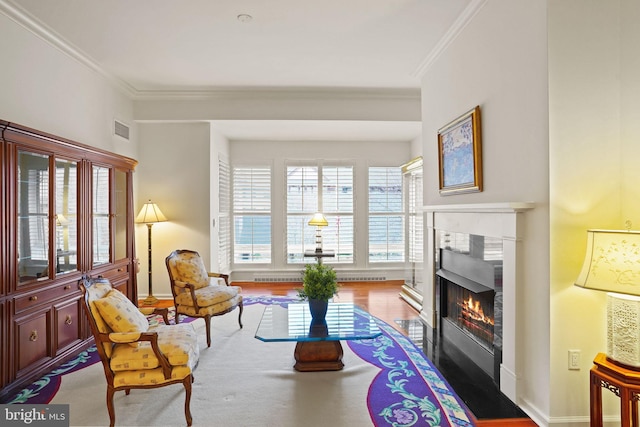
[[506, 221], [504, 207]]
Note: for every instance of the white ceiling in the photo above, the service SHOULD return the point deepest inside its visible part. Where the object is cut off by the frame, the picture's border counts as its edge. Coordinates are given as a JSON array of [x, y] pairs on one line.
[[201, 45]]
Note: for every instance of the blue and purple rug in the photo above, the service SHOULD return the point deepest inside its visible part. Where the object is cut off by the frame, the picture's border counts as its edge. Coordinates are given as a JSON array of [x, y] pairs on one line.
[[408, 391]]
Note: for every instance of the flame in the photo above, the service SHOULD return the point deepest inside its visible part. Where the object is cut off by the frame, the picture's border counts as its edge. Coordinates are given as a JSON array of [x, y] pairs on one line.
[[474, 310]]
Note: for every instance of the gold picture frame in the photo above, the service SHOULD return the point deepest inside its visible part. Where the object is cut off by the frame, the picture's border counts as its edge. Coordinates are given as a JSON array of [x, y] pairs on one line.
[[460, 154]]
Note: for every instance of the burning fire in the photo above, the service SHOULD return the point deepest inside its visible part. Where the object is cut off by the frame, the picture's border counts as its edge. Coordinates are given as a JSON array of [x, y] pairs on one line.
[[473, 311]]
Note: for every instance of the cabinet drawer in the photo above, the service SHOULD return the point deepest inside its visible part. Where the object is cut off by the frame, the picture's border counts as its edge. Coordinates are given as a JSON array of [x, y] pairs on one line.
[[67, 320], [36, 298], [116, 272], [32, 336]]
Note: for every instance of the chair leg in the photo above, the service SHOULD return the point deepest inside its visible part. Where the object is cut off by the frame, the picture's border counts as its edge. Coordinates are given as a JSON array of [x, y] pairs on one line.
[[240, 314], [110, 409], [187, 399], [207, 323]]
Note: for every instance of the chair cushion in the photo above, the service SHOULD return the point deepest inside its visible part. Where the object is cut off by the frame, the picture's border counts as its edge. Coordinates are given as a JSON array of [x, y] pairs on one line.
[[179, 343], [149, 376], [191, 269], [120, 313], [212, 310], [210, 295]]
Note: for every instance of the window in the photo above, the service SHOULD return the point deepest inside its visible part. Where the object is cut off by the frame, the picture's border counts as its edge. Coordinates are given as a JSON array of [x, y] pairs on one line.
[[252, 215], [414, 214], [224, 216], [412, 175], [334, 198], [386, 215]]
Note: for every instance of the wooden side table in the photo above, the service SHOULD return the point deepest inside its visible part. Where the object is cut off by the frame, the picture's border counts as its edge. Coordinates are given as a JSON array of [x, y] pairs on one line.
[[623, 381]]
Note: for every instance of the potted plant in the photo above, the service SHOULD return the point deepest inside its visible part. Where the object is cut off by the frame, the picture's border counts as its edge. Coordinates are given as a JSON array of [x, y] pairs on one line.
[[320, 284]]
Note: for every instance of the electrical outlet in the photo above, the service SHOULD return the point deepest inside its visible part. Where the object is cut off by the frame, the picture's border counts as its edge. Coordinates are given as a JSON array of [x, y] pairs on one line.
[[574, 360]]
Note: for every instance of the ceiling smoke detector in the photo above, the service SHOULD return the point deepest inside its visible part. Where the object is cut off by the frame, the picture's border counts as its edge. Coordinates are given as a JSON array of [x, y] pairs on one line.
[[244, 17]]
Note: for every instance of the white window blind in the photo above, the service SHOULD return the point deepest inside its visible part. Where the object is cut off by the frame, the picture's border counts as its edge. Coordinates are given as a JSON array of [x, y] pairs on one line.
[[334, 198], [252, 214], [302, 203], [337, 206], [416, 229], [224, 215], [386, 215]]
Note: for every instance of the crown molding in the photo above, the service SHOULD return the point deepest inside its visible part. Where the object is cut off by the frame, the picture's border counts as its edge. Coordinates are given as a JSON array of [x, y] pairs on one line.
[[39, 29], [454, 31], [279, 93]]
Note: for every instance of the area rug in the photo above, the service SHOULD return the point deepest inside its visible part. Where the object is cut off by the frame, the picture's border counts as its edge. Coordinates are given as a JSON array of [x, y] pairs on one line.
[[241, 381]]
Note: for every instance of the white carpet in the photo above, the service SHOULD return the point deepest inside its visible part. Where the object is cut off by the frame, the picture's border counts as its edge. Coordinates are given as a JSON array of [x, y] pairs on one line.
[[239, 382]]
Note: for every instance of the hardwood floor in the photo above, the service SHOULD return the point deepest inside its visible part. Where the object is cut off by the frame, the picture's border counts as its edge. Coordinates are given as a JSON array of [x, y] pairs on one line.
[[381, 299]]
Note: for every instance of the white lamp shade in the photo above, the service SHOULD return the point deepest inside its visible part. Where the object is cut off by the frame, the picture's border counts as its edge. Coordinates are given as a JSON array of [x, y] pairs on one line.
[[150, 213], [612, 262]]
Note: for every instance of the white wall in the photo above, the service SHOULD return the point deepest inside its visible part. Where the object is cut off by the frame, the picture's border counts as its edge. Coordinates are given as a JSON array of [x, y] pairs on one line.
[[45, 89], [283, 104], [499, 61], [594, 64], [174, 172]]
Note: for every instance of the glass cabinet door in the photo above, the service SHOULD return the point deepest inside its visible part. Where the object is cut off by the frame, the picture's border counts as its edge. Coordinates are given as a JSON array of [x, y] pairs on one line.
[[66, 219], [120, 235], [100, 215], [33, 216]]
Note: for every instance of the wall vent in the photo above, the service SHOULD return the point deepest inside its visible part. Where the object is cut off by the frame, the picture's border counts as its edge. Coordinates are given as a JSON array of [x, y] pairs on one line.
[[121, 129]]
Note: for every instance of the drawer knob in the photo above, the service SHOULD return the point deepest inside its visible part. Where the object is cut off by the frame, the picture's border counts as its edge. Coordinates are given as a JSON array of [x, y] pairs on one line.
[[66, 288], [68, 320], [33, 336], [33, 298]]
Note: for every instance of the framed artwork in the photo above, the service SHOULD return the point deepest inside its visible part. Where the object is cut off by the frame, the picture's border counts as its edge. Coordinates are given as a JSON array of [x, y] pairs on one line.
[[460, 154]]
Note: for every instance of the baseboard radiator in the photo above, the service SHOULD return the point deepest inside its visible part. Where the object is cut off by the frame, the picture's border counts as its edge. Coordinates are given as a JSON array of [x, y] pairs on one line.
[[342, 278]]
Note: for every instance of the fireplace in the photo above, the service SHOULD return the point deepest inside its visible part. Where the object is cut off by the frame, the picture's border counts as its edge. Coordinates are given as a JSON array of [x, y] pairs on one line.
[[469, 299], [499, 238]]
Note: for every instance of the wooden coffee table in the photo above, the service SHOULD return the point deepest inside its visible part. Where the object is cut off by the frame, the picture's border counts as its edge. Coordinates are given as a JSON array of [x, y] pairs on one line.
[[318, 346]]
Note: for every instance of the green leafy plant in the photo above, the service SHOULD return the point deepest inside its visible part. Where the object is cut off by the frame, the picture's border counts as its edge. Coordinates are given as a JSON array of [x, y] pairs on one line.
[[319, 282]]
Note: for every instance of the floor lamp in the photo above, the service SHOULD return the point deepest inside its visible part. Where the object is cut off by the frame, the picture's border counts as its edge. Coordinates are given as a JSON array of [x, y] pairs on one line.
[[150, 214]]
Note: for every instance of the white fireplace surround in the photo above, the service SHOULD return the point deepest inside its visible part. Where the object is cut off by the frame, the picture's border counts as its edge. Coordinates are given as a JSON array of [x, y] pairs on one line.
[[500, 220]]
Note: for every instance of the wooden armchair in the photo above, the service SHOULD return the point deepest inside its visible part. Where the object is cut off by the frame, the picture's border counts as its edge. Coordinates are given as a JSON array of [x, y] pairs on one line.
[[135, 355], [199, 293]]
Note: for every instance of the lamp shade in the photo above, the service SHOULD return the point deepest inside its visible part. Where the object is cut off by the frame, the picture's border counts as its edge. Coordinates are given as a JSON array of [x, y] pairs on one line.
[[61, 220], [150, 213], [612, 262], [319, 220]]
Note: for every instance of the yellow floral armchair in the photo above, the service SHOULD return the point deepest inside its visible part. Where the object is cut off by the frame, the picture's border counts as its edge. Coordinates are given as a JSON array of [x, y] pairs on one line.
[[134, 354], [199, 293]]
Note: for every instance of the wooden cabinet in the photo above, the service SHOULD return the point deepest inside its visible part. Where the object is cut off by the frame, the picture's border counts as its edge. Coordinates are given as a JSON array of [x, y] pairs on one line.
[[67, 211]]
